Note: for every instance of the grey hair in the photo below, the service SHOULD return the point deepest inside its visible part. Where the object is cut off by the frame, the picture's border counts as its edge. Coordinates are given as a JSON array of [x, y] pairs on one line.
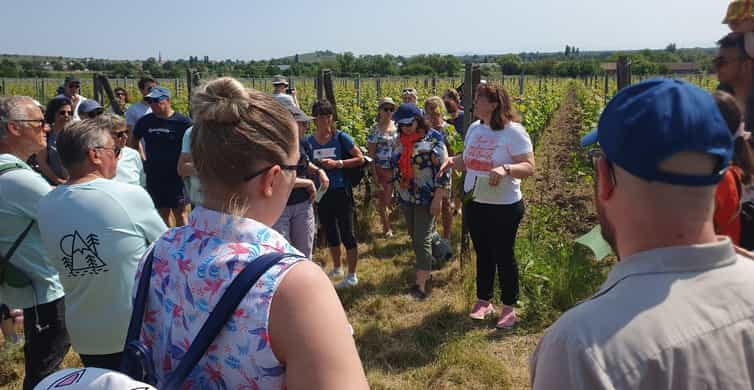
[[76, 139], [13, 107], [109, 121]]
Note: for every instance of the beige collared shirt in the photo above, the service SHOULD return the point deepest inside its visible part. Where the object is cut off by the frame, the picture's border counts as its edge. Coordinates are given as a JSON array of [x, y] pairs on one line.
[[669, 318]]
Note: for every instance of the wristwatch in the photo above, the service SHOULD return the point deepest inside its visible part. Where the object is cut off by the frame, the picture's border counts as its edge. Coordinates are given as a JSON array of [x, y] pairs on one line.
[[340, 163], [507, 169]]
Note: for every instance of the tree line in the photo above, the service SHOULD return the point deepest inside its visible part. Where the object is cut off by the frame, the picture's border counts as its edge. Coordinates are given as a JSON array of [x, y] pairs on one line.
[[572, 62]]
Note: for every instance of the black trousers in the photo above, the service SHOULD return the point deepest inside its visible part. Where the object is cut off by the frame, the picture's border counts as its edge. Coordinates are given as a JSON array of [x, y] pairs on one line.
[[46, 341], [335, 211], [493, 231], [108, 362]]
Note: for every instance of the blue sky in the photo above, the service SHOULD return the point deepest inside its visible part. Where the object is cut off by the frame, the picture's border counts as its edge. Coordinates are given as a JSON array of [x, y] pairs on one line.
[[246, 29]]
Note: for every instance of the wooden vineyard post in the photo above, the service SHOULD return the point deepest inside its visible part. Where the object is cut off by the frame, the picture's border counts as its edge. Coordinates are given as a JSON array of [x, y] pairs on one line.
[[521, 83], [607, 85], [103, 89], [357, 86], [192, 81], [2, 88], [320, 88], [378, 85], [43, 94], [329, 92], [472, 78], [624, 72], [177, 87]]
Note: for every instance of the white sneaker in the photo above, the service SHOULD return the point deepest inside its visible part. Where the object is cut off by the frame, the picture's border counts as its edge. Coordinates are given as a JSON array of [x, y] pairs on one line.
[[350, 281], [336, 273]]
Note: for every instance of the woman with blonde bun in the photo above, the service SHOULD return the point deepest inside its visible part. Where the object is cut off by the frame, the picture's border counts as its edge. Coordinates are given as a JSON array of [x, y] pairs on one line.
[[290, 331]]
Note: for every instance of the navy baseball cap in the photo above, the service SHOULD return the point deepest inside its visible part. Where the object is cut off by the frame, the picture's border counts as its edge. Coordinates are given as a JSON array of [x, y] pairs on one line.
[[89, 105], [158, 92], [406, 113], [649, 122]]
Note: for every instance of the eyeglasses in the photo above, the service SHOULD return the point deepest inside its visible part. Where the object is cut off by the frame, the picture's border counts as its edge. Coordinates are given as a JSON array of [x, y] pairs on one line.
[[120, 134], [721, 61], [155, 100], [115, 149], [298, 168], [65, 113], [35, 122], [596, 155], [388, 109]]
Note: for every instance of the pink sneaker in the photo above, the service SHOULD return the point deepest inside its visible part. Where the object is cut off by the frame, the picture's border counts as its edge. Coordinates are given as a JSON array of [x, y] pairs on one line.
[[481, 310], [507, 318]]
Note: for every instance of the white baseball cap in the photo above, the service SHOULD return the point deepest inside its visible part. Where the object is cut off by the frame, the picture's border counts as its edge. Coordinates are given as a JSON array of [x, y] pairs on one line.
[[90, 378]]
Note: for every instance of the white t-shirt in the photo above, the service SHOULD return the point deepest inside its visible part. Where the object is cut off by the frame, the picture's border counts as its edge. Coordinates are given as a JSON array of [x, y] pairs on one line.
[[130, 168], [486, 149], [75, 115], [284, 99], [135, 112], [95, 234]]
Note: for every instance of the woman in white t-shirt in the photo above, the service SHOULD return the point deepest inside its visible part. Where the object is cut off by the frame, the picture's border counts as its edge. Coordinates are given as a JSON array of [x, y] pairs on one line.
[[497, 154]]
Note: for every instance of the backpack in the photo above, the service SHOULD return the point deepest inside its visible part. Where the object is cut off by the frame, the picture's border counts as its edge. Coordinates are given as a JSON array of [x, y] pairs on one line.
[[137, 358], [9, 274], [354, 174]]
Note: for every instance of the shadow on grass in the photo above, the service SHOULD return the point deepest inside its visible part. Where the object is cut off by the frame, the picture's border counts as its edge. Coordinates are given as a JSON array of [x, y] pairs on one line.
[[414, 346]]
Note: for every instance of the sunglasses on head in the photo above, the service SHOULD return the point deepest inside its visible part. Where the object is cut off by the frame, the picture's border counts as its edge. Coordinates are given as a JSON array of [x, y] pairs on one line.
[[95, 113]]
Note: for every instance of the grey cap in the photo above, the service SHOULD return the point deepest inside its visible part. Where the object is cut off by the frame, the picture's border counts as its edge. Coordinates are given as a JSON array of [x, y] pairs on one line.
[[279, 79]]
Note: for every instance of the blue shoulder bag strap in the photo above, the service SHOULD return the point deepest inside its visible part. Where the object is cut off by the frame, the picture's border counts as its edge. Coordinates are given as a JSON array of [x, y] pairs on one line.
[[220, 315]]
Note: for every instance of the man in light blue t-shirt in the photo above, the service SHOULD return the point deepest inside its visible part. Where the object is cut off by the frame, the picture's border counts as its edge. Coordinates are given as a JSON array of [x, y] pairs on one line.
[[96, 230], [23, 132]]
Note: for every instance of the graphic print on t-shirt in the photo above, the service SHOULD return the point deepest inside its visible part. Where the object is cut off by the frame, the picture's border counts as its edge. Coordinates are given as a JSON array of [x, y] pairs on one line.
[[479, 153], [81, 256]]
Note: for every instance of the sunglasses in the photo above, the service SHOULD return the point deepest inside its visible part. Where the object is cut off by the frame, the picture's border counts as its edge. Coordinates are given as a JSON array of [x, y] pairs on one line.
[[298, 168], [155, 100], [95, 113], [120, 134], [65, 113], [388, 109], [35, 122], [74, 85]]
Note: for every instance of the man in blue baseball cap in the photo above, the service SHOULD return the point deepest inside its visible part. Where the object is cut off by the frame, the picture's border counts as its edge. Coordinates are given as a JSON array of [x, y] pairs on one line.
[[676, 311], [162, 131]]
